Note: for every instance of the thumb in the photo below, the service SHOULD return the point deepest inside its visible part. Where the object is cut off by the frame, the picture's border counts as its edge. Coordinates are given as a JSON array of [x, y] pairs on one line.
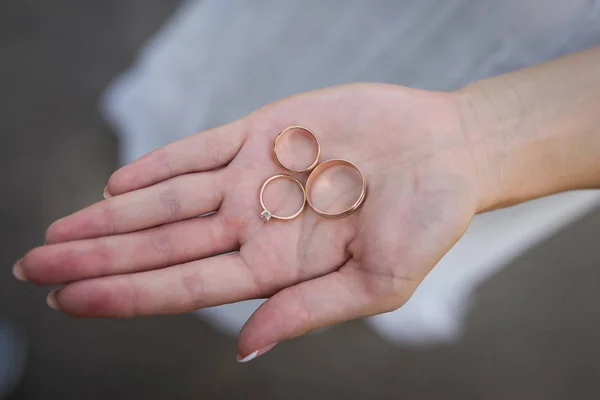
[[342, 295]]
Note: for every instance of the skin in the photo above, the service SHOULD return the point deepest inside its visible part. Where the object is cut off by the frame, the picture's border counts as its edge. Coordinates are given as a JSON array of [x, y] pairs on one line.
[[432, 160]]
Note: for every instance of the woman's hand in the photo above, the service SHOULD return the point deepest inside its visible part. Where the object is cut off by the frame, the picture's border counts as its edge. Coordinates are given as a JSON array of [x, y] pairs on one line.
[[145, 251]]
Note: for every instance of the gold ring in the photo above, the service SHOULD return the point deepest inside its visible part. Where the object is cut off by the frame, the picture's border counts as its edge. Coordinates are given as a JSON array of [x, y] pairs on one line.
[[266, 215], [319, 170], [316, 160]]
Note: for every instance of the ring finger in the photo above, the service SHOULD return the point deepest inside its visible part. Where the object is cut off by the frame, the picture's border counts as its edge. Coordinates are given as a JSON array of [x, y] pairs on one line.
[[178, 198]]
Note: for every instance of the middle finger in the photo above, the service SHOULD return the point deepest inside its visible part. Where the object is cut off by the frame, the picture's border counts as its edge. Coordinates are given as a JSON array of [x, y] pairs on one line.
[[131, 252]]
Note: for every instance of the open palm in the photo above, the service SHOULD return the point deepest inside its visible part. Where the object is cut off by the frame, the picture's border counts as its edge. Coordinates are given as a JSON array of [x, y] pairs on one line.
[[145, 250]]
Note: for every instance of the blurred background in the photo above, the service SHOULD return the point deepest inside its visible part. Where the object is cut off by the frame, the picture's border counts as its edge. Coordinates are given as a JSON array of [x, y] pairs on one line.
[[530, 331]]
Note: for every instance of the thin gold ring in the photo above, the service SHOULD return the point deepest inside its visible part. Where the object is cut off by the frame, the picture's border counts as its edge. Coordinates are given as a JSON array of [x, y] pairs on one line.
[[266, 215], [319, 170], [316, 160]]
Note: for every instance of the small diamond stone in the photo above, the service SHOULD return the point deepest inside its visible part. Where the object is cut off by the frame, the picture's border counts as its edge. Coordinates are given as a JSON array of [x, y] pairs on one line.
[[265, 215]]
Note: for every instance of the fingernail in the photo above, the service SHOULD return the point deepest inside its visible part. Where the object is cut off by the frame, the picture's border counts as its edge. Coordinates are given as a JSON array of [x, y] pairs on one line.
[[255, 354], [18, 271], [51, 300], [105, 193]]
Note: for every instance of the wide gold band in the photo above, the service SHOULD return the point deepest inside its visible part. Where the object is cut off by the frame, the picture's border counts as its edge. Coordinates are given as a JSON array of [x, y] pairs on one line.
[[330, 164]]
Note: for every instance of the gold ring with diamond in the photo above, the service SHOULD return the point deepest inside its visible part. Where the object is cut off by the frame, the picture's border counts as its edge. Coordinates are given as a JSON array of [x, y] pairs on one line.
[[266, 215]]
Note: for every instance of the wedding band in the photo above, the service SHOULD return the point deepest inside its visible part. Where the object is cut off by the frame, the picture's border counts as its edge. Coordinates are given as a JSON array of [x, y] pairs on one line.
[[266, 215], [287, 130], [330, 164]]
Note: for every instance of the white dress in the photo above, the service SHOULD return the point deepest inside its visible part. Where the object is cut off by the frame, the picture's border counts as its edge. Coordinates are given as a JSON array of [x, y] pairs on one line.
[[216, 60]]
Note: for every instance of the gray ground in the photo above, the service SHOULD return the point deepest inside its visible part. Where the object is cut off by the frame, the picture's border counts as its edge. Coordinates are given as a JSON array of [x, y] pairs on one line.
[[532, 333]]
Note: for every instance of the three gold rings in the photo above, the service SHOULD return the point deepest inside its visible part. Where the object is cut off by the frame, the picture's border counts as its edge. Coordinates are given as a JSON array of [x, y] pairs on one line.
[[317, 170]]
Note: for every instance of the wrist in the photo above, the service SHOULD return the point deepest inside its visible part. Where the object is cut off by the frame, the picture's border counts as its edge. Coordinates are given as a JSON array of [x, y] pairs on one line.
[[487, 123], [534, 132]]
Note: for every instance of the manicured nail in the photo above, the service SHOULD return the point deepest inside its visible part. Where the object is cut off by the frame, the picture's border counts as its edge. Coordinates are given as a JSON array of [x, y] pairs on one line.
[[18, 271], [255, 354], [51, 300], [105, 193]]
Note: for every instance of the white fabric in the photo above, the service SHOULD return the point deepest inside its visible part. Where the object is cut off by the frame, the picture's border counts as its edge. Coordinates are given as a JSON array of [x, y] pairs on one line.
[[217, 60]]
